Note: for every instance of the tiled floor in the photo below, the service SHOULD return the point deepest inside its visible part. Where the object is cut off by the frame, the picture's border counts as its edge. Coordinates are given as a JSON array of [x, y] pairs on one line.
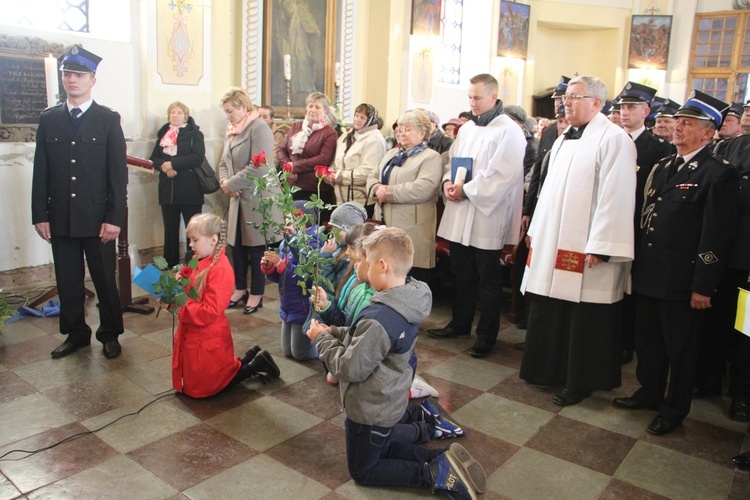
[[286, 439]]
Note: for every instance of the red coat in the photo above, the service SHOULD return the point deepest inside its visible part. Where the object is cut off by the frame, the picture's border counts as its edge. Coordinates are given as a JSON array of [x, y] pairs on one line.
[[203, 360]]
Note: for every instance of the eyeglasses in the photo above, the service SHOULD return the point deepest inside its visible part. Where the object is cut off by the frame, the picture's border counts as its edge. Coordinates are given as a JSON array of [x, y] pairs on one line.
[[576, 97]]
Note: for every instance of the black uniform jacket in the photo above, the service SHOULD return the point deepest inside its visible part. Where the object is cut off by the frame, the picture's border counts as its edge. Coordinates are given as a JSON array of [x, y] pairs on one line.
[[687, 224], [650, 149], [549, 136], [737, 152], [183, 188], [80, 180]]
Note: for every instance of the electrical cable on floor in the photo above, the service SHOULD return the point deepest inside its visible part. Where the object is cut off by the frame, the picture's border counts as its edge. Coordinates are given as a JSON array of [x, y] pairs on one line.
[[81, 434]]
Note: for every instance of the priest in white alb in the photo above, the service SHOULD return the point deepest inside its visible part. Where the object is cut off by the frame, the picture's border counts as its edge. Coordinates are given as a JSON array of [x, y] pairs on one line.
[[581, 249]]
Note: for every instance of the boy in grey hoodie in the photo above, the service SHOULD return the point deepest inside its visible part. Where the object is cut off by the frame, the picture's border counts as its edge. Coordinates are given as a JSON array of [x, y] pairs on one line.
[[371, 360]]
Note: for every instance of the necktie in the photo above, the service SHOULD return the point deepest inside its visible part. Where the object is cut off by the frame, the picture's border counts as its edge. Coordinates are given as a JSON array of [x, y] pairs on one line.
[[574, 134], [75, 113], [676, 165]]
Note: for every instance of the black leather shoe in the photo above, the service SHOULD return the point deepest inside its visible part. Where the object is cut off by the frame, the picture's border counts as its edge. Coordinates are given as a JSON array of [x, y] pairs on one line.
[[568, 398], [251, 309], [632, 404], [447, 333], [740, 410], [742, 460], [244, 297], [67, 347], [481, 349], [112, 349], [660, 426], [706, 392], [250, 354], [263, 364]]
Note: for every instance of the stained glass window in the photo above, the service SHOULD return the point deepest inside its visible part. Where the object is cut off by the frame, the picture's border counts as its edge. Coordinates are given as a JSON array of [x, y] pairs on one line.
[[452, 27]]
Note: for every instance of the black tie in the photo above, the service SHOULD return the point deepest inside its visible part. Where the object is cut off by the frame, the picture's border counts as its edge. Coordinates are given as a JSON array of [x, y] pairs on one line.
[[75, 112], [574, 134], [676, 165]]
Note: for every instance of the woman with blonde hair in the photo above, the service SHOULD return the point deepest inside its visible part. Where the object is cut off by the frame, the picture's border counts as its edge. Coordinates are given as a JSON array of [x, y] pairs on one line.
[[247, 135], [406, 186], [178, 152], [308, 144], [203, 361]]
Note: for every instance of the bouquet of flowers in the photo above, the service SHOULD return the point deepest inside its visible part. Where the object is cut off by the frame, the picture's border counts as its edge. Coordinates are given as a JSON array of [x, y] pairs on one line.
[[172, 284]]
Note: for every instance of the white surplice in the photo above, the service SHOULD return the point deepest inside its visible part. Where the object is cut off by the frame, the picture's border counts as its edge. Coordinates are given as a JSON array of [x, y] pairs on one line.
[[585, 207], [491, 217]]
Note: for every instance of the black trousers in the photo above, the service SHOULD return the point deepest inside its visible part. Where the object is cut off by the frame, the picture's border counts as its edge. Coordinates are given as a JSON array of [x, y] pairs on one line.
[[69, 272], [721, 342], [478, 275], [667, 335], [171, 215]]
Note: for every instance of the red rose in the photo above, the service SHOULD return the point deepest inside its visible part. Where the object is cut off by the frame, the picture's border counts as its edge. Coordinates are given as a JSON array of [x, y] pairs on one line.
[[186, 271], [282, 266], [321, 171], [287, 167], [259, 159]]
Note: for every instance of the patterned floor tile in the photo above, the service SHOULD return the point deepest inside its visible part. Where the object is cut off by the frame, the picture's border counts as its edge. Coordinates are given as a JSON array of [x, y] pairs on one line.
[[582, 444], [617, 490], [30, 351], [476, 373], [30, 415], [189, 457], [13, 387], [312, 395], [51, 373], [206, 408]]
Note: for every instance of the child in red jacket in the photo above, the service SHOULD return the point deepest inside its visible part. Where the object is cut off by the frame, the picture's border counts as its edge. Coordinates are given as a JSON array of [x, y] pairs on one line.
[[203, 361]]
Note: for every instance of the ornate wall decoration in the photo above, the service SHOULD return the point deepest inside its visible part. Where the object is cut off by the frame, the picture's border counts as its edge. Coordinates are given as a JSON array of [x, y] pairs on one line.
[[179, 35]]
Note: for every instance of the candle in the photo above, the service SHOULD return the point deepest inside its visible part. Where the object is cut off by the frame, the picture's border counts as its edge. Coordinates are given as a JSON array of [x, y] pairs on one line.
[[50, 72], [337, 74], [287, 67]]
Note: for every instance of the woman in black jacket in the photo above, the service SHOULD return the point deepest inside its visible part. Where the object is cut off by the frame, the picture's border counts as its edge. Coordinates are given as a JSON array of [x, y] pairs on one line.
[[178, 151]]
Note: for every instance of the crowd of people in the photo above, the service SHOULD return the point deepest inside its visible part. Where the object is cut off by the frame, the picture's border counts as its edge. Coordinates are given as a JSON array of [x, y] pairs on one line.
[[635, 216]]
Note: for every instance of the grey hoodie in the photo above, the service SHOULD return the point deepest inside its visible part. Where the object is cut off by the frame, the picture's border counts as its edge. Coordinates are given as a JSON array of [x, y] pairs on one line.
[[371, 357]]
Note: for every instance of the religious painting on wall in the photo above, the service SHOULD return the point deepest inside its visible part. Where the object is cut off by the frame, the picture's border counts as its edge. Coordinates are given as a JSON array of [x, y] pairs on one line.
[[513, 30], [649, 42], [179, 40], [299, 44], [425, 17]]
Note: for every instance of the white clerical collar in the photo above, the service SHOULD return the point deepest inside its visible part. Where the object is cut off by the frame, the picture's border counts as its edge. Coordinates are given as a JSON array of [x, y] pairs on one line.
[[83, 107], [638, 132]]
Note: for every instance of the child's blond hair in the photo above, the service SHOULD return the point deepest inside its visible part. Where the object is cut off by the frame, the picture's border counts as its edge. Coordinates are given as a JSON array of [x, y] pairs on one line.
[[392, 245], [207, 225]]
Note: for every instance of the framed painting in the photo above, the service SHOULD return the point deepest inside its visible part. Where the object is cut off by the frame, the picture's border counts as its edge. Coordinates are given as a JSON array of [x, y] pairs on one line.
[[649, 42], [513, 30], [299, 42], [425, 17]]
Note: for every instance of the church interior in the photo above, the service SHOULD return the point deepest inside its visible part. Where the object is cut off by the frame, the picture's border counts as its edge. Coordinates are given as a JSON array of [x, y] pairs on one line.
[[285, 438]]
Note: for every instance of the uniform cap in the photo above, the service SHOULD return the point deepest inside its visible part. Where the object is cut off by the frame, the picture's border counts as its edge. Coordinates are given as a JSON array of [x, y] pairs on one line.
[[79, 60]]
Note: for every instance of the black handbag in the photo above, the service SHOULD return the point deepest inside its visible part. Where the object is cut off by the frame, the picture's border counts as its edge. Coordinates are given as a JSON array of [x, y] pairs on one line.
[[207, 178]]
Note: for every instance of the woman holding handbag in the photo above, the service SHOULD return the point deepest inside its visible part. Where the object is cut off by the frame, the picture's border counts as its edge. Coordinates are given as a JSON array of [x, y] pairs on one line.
[[178, 153], [247, 135]]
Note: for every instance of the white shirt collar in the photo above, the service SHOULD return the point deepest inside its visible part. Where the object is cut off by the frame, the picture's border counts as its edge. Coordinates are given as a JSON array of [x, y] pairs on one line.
[[637, 133], [83, 107]]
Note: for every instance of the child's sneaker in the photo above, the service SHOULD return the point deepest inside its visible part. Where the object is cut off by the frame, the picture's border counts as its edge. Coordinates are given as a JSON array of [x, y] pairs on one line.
[[456, 472], [421, 389], [331, 379], [445, 429]]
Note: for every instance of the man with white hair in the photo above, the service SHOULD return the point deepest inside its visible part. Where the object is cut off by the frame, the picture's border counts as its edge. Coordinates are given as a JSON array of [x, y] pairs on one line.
[[581, 247]]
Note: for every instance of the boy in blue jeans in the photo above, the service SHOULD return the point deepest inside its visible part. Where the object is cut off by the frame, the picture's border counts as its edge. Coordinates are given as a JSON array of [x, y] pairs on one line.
[[371, 360]]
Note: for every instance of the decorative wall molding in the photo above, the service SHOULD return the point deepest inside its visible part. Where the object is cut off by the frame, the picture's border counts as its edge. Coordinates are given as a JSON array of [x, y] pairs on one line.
[[347, 60], [253, 36]]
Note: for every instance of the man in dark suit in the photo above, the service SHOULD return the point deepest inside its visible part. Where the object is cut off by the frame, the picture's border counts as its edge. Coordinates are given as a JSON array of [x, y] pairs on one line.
[[687, 225], [720, 341], [635, 101], [78, 201], [730, 128], [665, 121]]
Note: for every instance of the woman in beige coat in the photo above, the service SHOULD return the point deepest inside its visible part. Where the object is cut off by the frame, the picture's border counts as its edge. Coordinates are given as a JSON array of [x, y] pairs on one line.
[[406, 186], [358, 154], [247, 135]]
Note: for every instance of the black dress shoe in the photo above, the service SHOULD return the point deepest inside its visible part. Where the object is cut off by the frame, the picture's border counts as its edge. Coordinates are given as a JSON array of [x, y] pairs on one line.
[[742, 460], [244, 297], [661, 426], [112, 349], [250, 354], [251, 309], [740, 410], [481, 349], [632, 404], [67, 347], [706, 392], [448, 332], [567, 397]]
